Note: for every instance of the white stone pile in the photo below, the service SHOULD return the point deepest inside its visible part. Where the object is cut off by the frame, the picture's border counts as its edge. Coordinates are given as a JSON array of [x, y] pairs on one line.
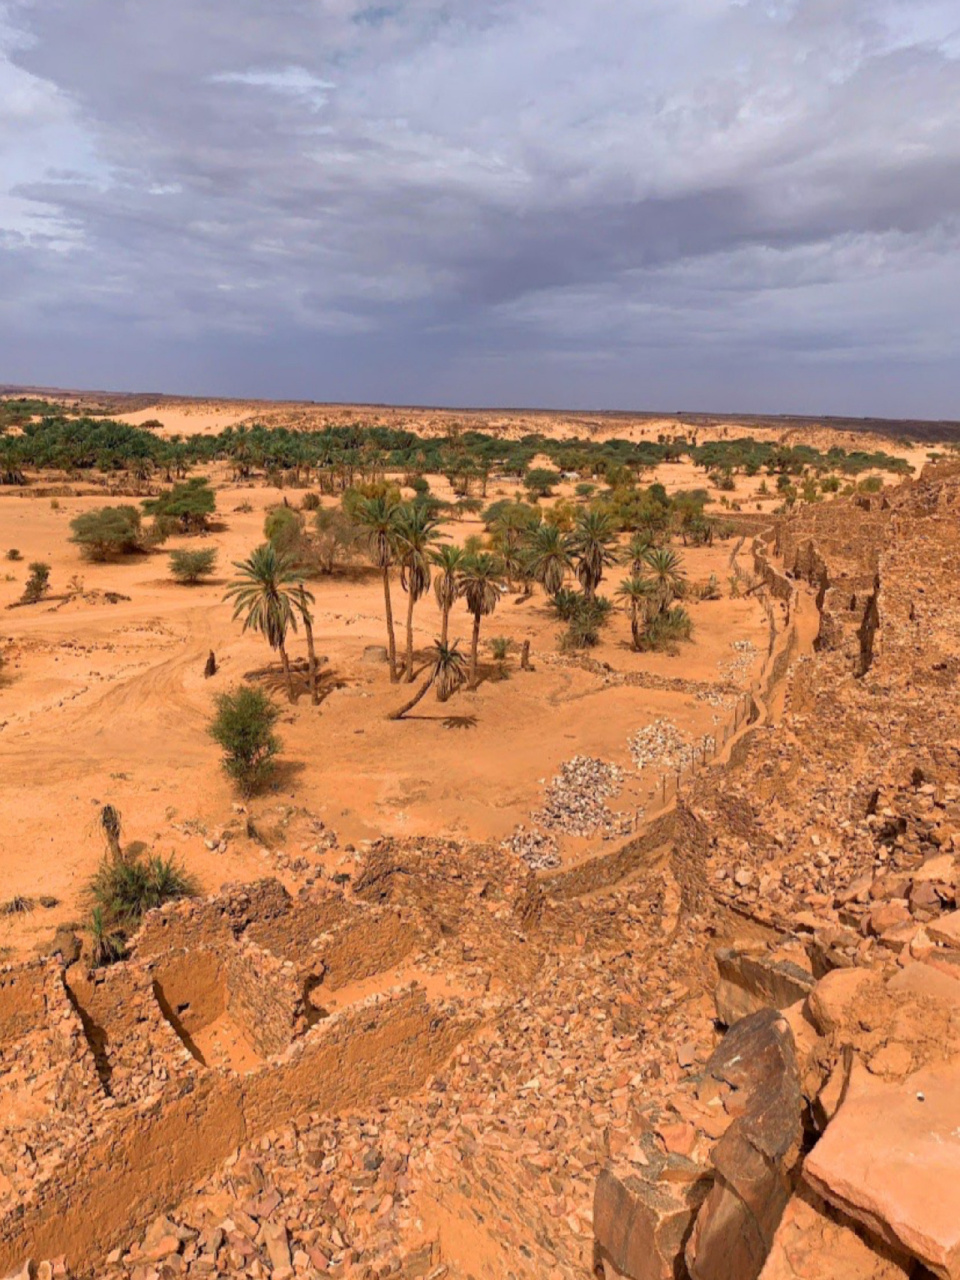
[[575, 801]]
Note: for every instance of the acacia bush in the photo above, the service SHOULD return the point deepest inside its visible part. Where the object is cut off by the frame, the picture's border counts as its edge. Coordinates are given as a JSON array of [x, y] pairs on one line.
[[108, 531], [190, 566], [187, 506], [38, 584], [243, 727]]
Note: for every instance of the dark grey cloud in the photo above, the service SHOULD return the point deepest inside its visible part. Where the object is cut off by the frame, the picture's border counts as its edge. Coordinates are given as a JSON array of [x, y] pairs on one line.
[[668, 203]]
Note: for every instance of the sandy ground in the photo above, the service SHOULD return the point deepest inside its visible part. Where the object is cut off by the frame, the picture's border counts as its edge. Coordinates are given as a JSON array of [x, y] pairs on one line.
[[106, 702]]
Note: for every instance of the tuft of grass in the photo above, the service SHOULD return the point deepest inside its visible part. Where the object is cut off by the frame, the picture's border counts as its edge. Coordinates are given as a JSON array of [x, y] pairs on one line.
[[18, 905], [126, 888], [122, 890]]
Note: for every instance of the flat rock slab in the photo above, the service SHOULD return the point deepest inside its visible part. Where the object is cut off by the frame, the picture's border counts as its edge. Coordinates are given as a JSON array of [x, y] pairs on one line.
[[812, 1245], [921, 979], [946, 930], [892, 1161]]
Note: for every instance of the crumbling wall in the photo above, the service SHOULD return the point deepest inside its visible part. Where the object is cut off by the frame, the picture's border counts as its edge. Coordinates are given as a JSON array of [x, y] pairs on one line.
[[205, 922], [357, 950], [147, 1157], [23, 999], [264, 995]]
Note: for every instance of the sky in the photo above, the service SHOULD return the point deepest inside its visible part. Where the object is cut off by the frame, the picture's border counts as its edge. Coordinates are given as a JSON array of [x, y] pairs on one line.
[[624, 204]]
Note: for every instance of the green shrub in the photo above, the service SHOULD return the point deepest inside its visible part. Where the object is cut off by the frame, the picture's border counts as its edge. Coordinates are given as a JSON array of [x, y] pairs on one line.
[[540, 481], [125, 888], [108, 531], [14, 554], [243, 727], [38, 584], [283, 529], [585, 621], [191, 566], [310, 502], [189, 505], [336, 538]]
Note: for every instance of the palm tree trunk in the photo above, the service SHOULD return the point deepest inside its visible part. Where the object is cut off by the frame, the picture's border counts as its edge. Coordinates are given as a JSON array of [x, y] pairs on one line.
[[312, 656], [410, 604], [285, 662], [408, 706], [444, 620], [474, 645], [391, 638]]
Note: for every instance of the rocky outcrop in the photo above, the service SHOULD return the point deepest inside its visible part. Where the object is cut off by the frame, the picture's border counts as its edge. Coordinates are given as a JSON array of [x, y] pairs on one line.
[[753, 1161]]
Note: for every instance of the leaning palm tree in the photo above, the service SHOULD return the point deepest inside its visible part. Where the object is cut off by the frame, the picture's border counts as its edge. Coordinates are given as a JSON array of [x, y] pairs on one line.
[[592, 547], [549, 557], [446, 674], [378, 518], [417, 531], [267, 592], [636, 593], [448, 561], [480, 588], [666, 568]]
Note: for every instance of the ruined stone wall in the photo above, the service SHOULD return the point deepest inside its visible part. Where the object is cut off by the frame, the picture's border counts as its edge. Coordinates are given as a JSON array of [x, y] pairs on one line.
[[23, 1000], [150, 1155], [350, 953], [265, 996], [203, 923]]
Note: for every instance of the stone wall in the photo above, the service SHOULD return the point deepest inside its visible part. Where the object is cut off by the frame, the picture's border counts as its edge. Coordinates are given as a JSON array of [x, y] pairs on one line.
[[146, 1158]]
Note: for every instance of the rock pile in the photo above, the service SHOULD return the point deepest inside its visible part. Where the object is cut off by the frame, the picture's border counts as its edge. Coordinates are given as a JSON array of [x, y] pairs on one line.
[[662, 746], [575, 801], [536, 848]]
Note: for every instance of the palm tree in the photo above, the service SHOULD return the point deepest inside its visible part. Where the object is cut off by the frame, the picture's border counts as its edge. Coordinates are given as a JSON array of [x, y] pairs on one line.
[[666, 566], [636, 594], [416, 531], [449, 561], [446, 673], [479, 587], [549, 557], [304, 600], [266, 593], [636, 552], [378, 518], [592, 546]]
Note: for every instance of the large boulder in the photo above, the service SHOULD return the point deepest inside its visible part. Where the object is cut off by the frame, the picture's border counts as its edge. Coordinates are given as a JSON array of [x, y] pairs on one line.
[[890, 1159], [642, 1216], [755, 1158]]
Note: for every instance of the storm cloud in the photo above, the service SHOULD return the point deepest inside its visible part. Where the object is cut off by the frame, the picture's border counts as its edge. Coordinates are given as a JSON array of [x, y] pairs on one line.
[[600, 203]]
